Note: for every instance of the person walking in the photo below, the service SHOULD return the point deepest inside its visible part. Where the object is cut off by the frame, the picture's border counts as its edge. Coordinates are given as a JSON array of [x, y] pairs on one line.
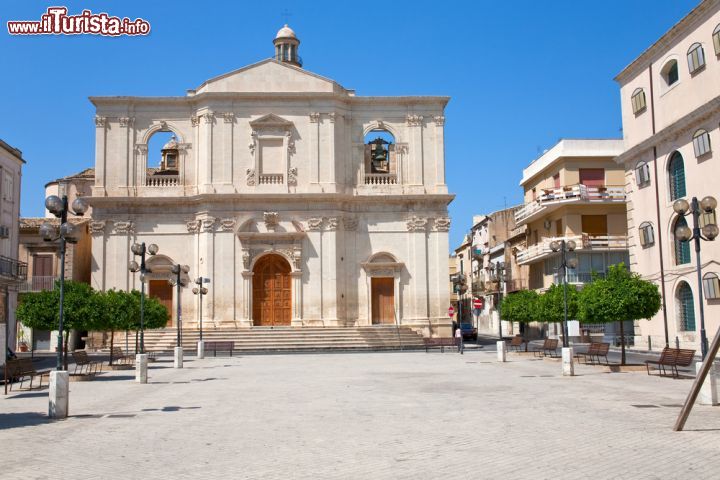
[[459, 341]]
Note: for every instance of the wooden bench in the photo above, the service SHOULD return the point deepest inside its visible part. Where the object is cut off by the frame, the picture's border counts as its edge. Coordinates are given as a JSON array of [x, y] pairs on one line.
[[117, 356], [20, 369], [439, 342], [517, 342], [548, 349], [673, 358], [219, 347], [594, 352], [83, 362]]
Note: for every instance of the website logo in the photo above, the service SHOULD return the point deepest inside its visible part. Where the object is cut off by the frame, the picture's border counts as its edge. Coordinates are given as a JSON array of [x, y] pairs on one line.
[[56, 21]]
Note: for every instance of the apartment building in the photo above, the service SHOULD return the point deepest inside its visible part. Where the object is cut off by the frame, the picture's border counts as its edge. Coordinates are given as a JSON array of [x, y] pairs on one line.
[[671, 112]]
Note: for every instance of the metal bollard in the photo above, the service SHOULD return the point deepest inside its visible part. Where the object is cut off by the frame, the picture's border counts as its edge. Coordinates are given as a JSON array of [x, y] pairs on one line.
[[649, 343]]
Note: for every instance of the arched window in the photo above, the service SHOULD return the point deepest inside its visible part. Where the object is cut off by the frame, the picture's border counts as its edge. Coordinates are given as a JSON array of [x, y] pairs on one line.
[[670, 72], [682, 249], [676, 170], [685, 308], [380, 157], [711, 286], [716, 39], [696, 57], [701, 142], [638, 101], [642, 174], [163, 162], [647, 235]]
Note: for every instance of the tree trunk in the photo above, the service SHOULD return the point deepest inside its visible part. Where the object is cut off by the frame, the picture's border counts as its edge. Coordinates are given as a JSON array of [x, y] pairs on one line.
[[112, 343], [622, 342]]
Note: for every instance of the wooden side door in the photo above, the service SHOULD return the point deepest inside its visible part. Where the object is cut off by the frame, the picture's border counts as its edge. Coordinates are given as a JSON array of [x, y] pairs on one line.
[[163, 292], [383, 301]]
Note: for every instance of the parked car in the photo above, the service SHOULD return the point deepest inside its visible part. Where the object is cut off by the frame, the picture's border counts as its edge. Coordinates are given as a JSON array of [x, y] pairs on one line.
[[468, 330]]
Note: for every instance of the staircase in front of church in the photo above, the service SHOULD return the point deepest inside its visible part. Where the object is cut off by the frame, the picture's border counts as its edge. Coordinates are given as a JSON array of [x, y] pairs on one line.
[[292, 339]]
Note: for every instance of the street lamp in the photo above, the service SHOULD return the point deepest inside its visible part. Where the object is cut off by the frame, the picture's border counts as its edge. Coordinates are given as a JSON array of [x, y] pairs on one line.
[[139, 250], [67, 233], [178, 270], [200, 290], [707, 232], [563, 247]]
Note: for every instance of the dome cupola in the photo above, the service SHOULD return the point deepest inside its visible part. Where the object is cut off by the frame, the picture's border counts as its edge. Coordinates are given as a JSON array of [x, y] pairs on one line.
[[286, 46]]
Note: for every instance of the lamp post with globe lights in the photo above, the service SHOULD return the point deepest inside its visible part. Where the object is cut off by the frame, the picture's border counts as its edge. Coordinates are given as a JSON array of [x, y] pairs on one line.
[[200, 290], [708, 232], [67, 233], [178, 270], [563, 247], [139, 250]]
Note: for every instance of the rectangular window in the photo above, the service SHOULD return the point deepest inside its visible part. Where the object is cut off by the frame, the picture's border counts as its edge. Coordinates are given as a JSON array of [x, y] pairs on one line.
[[7, 186], [647, 236], [638, 102], [642, 174], [556, 180], [696, 59], [594, 224], [271, 158], [711, 286], [559, 227], [701, 143]]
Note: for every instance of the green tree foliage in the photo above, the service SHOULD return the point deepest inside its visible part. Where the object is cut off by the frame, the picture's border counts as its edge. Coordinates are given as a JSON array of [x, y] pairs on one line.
[[520, 307], [621, 295], [551, 304]]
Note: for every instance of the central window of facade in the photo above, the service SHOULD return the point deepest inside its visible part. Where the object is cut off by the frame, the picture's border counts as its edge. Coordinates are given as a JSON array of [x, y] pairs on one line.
[[380, 158]]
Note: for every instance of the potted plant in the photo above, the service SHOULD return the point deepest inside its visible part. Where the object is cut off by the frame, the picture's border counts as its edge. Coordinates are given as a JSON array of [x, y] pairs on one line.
[[22, 343]]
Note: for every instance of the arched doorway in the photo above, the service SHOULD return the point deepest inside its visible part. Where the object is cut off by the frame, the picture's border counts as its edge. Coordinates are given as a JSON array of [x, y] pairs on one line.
[[271, 292]]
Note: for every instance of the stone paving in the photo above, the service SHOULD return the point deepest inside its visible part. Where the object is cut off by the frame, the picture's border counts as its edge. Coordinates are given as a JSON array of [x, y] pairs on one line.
[[363, 416]]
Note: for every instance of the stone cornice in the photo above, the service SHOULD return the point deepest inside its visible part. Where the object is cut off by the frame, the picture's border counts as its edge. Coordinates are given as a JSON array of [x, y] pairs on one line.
[[686, 123], [666, 41]]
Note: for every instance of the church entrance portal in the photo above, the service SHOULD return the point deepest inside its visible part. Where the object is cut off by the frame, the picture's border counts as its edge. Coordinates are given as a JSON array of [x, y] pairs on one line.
[[163, 292], [271, 292], [383, 301]]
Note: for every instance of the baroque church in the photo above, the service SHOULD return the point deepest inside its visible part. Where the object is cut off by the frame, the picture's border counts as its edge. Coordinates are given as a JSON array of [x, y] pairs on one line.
[[303, 203]]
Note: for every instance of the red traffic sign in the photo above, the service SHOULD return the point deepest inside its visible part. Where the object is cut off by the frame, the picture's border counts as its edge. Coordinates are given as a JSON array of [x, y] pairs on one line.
[[478, 303], [451, 311]]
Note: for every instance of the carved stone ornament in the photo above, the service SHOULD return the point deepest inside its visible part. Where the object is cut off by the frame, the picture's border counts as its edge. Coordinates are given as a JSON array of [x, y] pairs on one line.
[[126, 121], [227, 224], [417, 224], [208, 224], [292, 176], [97, 226], [194, 120], [382, 272], [414, 120], [228, 117], [246, 257], [209, 117], [350, 223], [314, 117], [439, 120], [442, 224], [332, 116], [271, 220], [193, 226], [250, 175], [331, 223], [141, 148], [100, 121], [314, 224], [164, 126], [124, 227], [401, 148]]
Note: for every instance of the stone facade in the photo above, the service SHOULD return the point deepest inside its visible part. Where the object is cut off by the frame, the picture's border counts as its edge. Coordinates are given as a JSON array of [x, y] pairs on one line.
[[272, 159]]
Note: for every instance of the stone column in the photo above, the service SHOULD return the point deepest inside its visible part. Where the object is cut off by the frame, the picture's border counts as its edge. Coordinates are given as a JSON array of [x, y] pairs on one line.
[[439, 149], [297, 314], [246, 299], [59, 395], [141, 367]]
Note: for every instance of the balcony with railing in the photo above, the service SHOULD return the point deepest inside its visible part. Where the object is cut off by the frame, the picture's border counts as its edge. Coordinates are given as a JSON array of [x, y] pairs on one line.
[[162, 181], [380, 179], [270, 179], [583, 242], [553, 198], [38, 284], [11, 270]]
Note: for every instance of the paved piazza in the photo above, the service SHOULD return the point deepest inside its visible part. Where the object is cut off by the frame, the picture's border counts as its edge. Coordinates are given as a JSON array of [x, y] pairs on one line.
[[365, 416]]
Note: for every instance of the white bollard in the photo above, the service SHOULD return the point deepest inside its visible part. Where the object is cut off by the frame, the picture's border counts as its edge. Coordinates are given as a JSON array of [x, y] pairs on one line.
[[178, 357], [501, 351], [59, 397], [141, 367], [708, 391], [568, 366], [201, 349]]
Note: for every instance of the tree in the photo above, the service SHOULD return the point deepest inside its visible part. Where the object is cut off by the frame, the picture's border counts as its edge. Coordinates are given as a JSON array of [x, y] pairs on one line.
[[551, 304], [116, 313], [621, 295], [520, 307], [40, 310]]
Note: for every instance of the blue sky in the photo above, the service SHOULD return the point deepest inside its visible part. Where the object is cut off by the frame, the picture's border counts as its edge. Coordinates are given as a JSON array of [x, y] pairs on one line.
[[521, 74]]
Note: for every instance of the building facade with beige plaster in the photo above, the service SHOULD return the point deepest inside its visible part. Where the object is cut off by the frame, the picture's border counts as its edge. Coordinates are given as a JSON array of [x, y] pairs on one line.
[[671, 112], [304, 203]]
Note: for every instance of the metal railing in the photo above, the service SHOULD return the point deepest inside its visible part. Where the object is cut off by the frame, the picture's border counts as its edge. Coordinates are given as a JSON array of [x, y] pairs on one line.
[[162, 181], [583, 242], [12, 269], [380, 179], [38, 284], [286, 57], [571, 193]]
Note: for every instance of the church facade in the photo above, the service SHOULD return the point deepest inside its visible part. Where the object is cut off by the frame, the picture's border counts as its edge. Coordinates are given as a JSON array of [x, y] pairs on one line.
[[303, 203]]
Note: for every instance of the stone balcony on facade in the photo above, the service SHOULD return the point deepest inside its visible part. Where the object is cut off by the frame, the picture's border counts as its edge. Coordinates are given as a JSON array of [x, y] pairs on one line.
[[554, 198], [584, 242]]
